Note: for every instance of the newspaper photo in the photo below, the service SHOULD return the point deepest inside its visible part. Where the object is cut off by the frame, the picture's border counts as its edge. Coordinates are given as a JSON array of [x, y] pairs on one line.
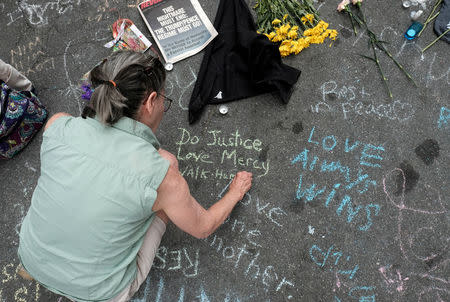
[[180, 28]]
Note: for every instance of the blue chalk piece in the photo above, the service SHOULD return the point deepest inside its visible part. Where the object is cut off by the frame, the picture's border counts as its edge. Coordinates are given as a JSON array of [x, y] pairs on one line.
[[413, 30], [444, 117]]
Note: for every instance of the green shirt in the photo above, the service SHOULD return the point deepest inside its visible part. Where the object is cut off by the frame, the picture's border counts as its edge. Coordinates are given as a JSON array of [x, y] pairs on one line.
[[92, 206]]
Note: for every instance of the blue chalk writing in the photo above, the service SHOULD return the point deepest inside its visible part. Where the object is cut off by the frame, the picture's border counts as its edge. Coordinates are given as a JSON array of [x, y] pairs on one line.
[[370, 298], [313, 163], [357, 181], [325, 256], [146, 292], [331, 195], [309, 193], [334, 166], [350, 273], [351, 179], [203, 297], [351, 212], [326, 146], [338, 254], [362, 293], [302, 156], [181, 295], [347, 148], [160, 289], [444, 117], [365, 155], [369, 216], [310, 136]]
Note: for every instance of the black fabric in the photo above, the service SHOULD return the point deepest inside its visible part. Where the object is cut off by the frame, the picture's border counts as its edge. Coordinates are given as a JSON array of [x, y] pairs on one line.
[[239, 63], [443, 21]]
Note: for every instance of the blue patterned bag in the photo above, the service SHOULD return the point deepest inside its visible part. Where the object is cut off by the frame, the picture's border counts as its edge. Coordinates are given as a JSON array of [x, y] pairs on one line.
[[21, 117]]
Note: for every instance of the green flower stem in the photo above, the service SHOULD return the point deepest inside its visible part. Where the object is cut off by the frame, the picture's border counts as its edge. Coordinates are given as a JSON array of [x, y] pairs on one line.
[[374, 41], [352, 18], [438, 2], [385, 80], [399, 65], [437, 39]]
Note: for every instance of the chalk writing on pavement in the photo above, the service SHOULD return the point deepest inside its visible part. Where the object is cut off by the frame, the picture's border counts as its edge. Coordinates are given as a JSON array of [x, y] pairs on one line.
[[354, 182], [216, 150]]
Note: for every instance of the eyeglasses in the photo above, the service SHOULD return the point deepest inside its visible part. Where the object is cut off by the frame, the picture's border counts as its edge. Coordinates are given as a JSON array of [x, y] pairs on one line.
[[167, 103]]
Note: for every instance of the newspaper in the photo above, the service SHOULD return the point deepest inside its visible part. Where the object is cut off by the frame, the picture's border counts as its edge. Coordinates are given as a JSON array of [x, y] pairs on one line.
[[180, 28]]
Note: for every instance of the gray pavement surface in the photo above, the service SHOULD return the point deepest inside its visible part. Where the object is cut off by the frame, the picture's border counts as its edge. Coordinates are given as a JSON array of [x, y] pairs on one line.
[[350, 199]]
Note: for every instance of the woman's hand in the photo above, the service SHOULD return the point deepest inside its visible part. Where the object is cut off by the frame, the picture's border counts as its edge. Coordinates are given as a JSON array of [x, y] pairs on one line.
[[241, 184]]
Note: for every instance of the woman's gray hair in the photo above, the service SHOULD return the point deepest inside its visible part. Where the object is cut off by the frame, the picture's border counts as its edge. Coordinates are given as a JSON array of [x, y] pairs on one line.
[[121, 84]]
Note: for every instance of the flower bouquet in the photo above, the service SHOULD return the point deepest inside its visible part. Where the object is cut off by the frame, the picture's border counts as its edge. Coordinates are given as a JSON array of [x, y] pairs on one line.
[[295, 24]]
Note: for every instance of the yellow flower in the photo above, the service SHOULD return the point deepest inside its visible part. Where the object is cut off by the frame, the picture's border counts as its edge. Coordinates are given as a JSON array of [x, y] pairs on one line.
[[276, 21], [308, 32], [284, 50], [307, 18], [294, 28], [281, 34], [284, 17], [303, 42], [271, 35], [318, 39], [286, 43], [333, 34], [310, 17], [284, 29], [307, 41], [292, 34], [324, 25], [277, 38]]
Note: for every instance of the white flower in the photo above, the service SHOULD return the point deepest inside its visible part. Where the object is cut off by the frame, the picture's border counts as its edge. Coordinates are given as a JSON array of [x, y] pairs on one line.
[[343, 4], [356, 1]]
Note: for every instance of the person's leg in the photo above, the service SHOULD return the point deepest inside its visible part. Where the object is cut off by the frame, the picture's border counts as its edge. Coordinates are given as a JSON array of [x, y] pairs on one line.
[[148, 250], [14, 78], [145, 256]]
